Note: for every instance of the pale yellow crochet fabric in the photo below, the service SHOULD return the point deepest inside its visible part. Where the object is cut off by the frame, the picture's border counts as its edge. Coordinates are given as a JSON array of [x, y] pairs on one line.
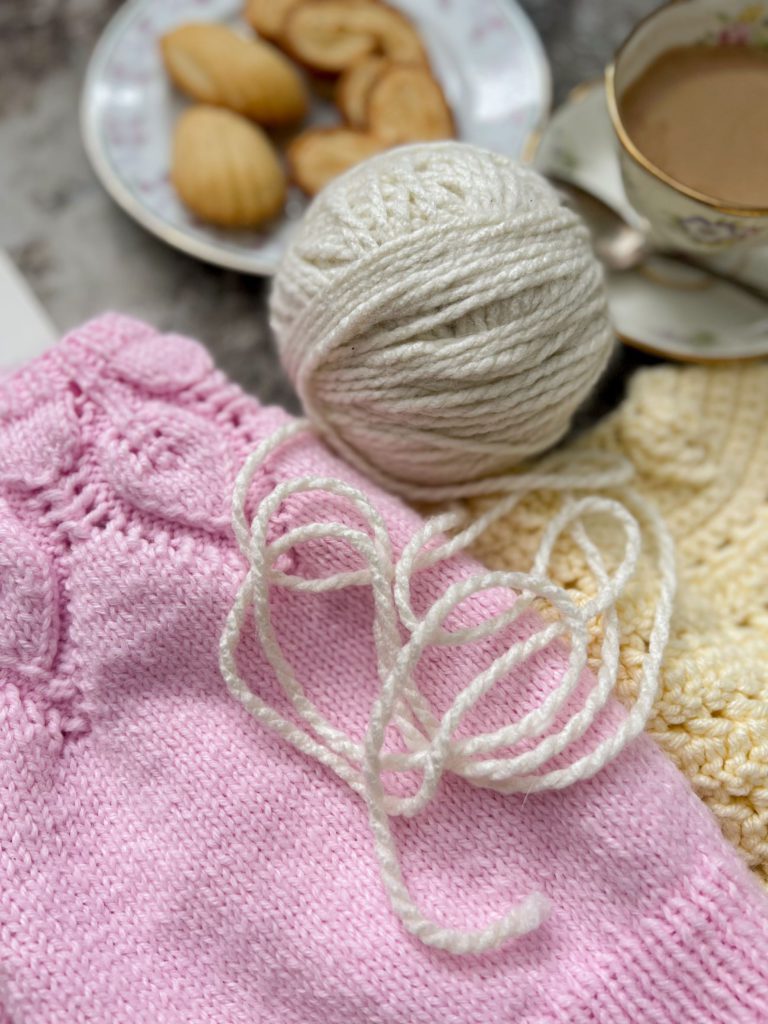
[[698, 439]]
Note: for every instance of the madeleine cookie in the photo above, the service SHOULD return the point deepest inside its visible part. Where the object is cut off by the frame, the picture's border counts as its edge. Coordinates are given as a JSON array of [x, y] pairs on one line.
[[267, 16], [329, 36], [213, 64], [406, 104], [353, 88], [225, 169], [316, 156]]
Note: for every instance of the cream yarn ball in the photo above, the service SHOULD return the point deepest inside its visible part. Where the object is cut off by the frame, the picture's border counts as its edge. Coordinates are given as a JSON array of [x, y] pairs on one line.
[[441, 315]]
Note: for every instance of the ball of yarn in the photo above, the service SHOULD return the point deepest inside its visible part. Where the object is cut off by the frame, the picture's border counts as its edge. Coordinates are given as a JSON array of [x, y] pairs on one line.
[[441, 315]]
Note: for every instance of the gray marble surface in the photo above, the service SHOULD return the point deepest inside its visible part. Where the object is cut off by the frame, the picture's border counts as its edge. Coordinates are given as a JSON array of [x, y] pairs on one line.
[[82, 255]]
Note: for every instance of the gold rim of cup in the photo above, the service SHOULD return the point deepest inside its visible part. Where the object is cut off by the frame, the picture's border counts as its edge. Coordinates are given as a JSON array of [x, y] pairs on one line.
[[639, 157]]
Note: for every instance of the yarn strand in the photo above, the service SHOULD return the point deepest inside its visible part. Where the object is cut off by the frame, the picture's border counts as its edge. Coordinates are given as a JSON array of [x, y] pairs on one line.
[[432, 747]]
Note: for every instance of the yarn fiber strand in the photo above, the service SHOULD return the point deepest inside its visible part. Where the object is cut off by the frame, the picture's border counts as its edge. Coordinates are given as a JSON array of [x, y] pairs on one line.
[[441, 315], [430, 739]]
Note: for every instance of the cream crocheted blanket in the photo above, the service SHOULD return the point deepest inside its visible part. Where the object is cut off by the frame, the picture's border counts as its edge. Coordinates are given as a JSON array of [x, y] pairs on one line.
[[698, 438]]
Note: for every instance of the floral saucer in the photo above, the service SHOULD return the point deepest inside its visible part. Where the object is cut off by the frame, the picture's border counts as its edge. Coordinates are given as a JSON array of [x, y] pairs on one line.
[[486, 54], [663, 307]]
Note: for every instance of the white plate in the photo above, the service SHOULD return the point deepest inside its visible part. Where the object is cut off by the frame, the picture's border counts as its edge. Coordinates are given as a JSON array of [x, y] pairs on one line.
[[485, 53], [664, 307]]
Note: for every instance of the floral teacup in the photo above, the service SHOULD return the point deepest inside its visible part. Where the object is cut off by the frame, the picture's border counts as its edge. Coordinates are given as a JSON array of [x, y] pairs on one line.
[[679, 216]]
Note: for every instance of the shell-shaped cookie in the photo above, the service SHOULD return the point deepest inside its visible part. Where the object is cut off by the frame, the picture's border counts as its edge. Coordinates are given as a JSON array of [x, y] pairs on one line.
[[213, 64], [406, 104], [316, 156], [353, 88], [331, 35], [268, 16], [225, 169]]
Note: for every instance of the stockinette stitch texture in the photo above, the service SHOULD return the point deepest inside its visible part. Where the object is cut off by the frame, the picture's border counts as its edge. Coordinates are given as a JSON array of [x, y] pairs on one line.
[[163, 858], [698, 440]]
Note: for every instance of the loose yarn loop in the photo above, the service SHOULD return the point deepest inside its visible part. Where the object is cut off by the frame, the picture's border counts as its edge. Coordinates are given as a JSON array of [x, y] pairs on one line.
[[432, 747], [441, 315]]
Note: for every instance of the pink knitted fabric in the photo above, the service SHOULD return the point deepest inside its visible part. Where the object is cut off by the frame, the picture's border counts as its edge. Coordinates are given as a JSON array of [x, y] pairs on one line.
[[163, 858]]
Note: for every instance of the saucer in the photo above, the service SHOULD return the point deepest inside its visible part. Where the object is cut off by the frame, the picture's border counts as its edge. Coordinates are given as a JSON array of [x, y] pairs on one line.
[[486, 55], [663, 307]]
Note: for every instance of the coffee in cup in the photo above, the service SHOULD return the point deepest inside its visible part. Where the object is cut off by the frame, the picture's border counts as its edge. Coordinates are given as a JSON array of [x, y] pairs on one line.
[[688, 94]]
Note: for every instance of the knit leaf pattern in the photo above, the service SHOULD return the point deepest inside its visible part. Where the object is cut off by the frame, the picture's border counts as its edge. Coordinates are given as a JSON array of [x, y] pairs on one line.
[[161, 364], [698, 438], [41, 445], [169, 462], [124, 436]]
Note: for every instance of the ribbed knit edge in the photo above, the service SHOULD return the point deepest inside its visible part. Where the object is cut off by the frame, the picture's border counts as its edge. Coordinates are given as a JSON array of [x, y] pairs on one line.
[[701, 959]]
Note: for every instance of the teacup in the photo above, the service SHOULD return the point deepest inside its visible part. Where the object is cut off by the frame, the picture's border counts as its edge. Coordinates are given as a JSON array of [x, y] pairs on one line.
[[679, 216]]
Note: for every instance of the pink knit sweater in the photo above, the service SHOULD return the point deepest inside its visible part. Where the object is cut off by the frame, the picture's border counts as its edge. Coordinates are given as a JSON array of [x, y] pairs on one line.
[[165, 859]]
